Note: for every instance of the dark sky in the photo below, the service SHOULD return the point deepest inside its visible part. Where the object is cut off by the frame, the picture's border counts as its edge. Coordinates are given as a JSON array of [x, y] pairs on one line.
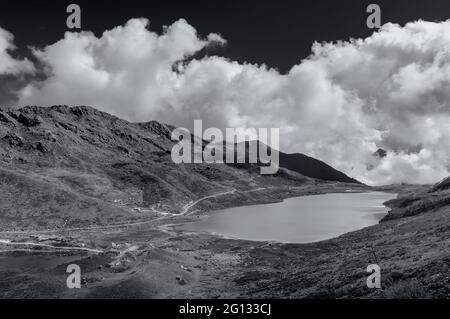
[[277, 33]]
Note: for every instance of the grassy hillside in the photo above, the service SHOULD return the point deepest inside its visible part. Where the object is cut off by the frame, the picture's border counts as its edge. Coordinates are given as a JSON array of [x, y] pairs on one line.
[[74, 166]]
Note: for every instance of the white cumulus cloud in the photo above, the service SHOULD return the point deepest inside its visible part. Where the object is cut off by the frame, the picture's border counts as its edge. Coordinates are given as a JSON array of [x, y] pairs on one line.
[[8, 64], [346, 100]]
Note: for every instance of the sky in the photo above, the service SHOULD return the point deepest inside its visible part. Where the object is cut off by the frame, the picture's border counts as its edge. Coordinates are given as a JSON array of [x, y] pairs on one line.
[[337, 90]]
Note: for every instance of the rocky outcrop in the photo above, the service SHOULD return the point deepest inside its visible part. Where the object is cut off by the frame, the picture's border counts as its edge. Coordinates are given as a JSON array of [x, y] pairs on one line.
[[421, 202]]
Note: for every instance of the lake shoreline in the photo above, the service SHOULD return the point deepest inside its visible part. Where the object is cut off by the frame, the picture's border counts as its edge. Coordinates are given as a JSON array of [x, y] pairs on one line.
[[201, 216], [209, 266]]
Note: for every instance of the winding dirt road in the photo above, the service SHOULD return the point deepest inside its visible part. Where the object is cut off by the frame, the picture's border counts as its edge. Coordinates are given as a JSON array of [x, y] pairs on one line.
[[184, 211], [11, 243]]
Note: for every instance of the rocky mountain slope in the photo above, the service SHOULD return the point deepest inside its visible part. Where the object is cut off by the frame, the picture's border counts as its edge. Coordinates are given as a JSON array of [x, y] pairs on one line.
[[76, 166], [312, 167], [426, 200]]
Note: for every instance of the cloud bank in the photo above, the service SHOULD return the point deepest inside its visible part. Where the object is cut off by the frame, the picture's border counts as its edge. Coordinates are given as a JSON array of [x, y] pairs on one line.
[[341, 104], [8, 64]]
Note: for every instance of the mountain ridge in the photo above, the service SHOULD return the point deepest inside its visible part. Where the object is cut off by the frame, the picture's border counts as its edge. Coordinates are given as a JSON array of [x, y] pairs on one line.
[[81, 166], [313, 167]]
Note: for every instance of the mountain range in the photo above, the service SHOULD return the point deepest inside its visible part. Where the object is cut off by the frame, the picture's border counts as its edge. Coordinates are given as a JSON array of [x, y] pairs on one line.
[[80, 185], [78, 165]]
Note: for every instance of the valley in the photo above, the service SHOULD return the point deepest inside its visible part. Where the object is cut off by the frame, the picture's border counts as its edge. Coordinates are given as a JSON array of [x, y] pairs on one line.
[[79, 186]]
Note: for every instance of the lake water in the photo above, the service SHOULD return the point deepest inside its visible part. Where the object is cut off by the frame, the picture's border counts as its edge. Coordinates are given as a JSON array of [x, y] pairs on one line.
[[303, 219]]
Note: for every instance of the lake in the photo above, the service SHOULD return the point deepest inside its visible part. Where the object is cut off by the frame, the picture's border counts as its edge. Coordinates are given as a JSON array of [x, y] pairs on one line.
[[303, 219]]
